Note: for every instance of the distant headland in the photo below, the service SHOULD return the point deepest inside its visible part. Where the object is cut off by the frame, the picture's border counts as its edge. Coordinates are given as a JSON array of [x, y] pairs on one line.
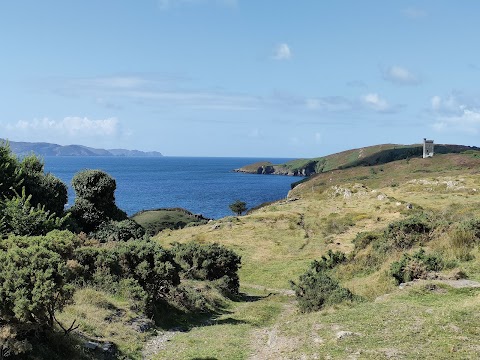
[[48, 149]]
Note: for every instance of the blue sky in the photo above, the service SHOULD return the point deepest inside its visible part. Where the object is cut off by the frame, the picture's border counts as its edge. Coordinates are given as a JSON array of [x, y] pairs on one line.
[[262, 78]]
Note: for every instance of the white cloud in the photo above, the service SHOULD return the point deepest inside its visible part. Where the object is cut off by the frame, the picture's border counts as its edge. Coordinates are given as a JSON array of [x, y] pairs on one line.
[[374, 102], [414, 13], [72, 127], [456, 113], [400, 75], [282, 52]]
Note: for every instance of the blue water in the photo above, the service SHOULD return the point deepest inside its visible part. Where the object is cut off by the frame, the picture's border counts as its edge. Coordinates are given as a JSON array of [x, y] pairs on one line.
[[202, 185]]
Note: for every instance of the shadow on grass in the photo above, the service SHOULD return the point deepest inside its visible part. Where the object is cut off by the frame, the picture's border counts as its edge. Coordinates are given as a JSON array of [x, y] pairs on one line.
[[168, 316]]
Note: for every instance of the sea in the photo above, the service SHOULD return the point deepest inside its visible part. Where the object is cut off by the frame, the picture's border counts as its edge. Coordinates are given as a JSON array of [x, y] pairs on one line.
[[202, 185]]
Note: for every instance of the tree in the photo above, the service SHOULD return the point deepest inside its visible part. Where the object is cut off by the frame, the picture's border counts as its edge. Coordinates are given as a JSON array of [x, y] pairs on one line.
[[95, 199], [238, 207]]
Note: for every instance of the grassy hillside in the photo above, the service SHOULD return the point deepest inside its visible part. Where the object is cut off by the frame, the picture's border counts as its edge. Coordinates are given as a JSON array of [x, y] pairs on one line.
[[430, 319], [367, 156]]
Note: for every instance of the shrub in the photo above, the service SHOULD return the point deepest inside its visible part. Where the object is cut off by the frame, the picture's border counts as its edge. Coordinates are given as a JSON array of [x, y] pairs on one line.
[[118, 231], [95, 199], [363, 239], [403, 234], [62, 242], [32, 285], [415, 266], [316, 289], [150, 265], [330, 260], [21, 218], [209, 262]]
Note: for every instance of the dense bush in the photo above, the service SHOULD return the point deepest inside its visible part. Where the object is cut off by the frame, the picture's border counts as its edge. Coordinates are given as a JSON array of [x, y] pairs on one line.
[[363, 239], [20, 217], [32, 285], [403, 234], [209, 262], [137, 265], [118, 231], [46, 189], [416, 266], [95, 200], [316, 289], [150, 265], [62, 242], [42, 198]]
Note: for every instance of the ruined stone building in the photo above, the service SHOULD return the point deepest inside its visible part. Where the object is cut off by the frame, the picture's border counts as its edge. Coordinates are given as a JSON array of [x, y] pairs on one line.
[[427, 148]]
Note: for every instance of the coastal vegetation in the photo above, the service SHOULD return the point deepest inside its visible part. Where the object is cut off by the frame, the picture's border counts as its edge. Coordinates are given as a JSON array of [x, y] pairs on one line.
[[366, 261]]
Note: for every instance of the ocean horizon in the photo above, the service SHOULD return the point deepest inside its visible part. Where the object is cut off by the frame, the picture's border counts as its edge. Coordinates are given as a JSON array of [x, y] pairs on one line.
[[202, 185]]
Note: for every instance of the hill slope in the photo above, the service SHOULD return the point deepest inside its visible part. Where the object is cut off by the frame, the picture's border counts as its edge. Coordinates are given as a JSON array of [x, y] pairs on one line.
[[430, 319], [367, 156]]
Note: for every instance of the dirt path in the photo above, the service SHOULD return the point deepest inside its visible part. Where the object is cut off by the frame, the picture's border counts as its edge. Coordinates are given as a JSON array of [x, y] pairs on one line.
[[269, 343], [285, 292]]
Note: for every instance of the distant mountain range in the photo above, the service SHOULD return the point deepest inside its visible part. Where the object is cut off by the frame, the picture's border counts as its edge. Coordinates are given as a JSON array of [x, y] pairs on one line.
[[47, 149]]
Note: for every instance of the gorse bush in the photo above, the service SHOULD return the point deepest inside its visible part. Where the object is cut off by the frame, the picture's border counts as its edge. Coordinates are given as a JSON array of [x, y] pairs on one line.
[[139, 264], [118, 231], [416, 266], [33, 285], [20, 217], [209, 262], [400, 235], [316, 289]]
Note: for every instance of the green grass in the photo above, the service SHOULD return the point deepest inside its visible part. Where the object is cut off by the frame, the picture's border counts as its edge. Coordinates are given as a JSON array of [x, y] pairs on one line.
[[155, 221]]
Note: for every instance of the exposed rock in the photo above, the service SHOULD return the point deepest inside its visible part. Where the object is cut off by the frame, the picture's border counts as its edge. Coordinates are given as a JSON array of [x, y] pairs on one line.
[[343, 334], [215, 227], [409, 206], [90, 345], [141, 324]]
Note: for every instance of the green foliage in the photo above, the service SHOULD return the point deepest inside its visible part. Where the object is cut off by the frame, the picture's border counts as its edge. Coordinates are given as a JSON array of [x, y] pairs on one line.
[[9, 175], [95, 199], [316, 289], [46, 189], [62, 242], [134, 265], [363, 239], [20, 217], [415, 266], [403, 234], [330, 260], [238, 207], [118, 231], [32, 285], [212, 262]]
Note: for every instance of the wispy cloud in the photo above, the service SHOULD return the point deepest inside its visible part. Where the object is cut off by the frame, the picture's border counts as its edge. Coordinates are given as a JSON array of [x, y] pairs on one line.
[[71, 128], [329, 104], [282, 52], [414, 13], [400, 75], [169, 4], [456, 113]]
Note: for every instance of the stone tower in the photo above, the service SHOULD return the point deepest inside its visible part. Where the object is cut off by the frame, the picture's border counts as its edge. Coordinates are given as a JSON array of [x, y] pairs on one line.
[[427, 148]]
